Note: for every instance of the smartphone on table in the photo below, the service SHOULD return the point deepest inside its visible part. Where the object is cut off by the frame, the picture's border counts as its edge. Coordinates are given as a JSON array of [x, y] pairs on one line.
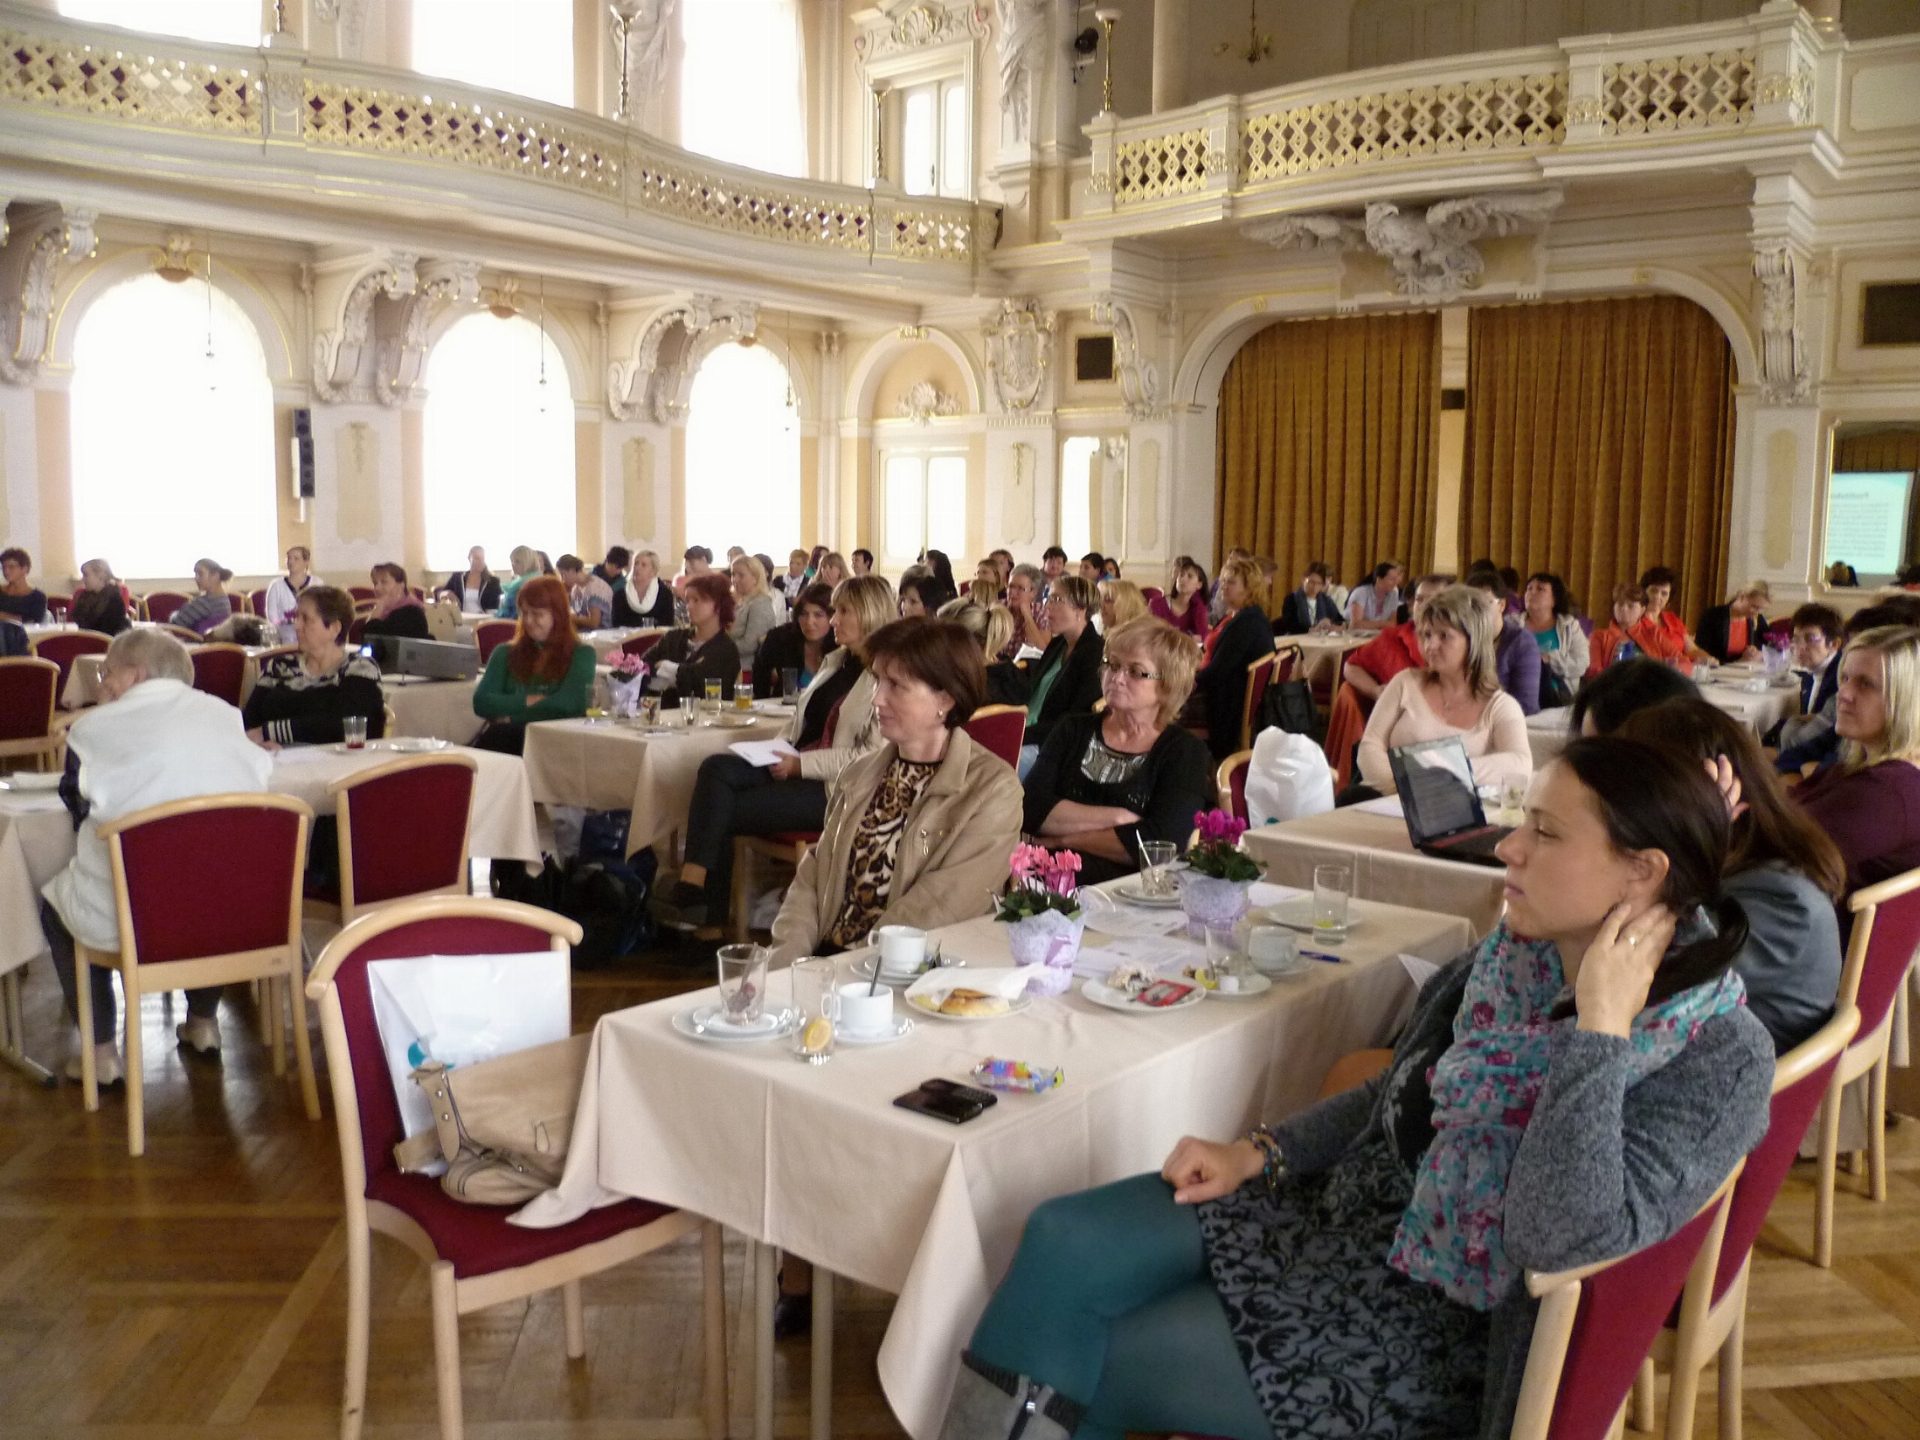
[[948, 1100]]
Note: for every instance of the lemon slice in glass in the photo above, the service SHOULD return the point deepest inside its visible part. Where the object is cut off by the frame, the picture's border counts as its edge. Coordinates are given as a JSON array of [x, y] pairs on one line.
[[818, 1036]]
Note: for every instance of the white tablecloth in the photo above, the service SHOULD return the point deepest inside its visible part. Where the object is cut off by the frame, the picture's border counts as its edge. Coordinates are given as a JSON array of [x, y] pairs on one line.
[[1386, 867], [1321, 656], [1759, 711], [36, 842], [503, 822], [440, 709], [816, 1160]]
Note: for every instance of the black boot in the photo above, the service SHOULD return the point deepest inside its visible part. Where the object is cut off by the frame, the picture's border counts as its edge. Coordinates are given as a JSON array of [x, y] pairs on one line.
[[993, 1404]]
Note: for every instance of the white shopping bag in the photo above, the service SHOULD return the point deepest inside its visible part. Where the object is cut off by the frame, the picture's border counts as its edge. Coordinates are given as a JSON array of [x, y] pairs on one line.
[[461, 1009], [1289, 778]]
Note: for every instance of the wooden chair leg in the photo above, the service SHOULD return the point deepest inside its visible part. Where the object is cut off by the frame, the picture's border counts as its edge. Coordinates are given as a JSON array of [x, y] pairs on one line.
[[1824, 1180], [446, 1348], [1643, 1394], [279, 1024], [739, 927], [136, 1089], [353, 1404], [713, 1314], [1877, 1128], [1732, 1356], [83, 1007], [262, 1012], [303, 1044], [576, 1318]]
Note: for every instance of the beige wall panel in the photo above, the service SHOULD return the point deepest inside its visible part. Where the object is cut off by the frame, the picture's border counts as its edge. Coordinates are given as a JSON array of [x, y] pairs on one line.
[[413, 489], [637, 487], [52, 447], [589, 491], [357, 482], [1783, 458]]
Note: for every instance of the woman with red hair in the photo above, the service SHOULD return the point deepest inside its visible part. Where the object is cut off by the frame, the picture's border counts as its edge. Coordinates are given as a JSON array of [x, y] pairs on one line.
[[545, 674], [686, 659]]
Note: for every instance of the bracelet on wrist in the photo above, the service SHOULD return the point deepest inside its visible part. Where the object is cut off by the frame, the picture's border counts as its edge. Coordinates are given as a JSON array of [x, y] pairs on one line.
[[1263, 1140]]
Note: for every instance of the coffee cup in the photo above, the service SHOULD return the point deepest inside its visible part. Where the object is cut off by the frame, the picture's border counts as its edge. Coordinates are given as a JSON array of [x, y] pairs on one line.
[[1272, 947], [902, 948], [866, 1009]]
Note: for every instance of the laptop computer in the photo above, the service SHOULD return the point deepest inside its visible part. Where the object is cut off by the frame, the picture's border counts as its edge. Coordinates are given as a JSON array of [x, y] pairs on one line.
[[1441, 803]]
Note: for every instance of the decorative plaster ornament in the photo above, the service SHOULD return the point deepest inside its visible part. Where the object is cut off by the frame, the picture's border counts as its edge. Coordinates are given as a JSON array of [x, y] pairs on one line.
[[42, 238], [339, 351], [1139, 377], [1019, 347], [924, 400], [1783, 367], [652, 384], [403, 356], [1023, 31]]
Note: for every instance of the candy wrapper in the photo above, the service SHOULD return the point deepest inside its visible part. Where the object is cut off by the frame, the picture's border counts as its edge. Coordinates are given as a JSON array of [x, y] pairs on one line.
[[1018, 1075]]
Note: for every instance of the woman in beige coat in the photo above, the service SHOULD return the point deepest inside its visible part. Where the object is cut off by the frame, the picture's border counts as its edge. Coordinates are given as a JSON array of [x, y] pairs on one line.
[[920, 831]]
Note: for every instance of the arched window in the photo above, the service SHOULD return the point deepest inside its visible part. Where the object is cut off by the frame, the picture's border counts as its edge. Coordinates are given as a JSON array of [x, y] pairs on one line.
[[172, 440], [743, 453], [505, 45], [721, 65], [221, 22], [497, 443]]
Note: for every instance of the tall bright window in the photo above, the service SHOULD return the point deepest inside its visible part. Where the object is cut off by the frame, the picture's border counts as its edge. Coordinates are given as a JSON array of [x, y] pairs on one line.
[[742, 83], [221, 22], [923, 504], [1078, 457], [172, 444], [936, 138], [743, 453], [512, 45], [498, 443]]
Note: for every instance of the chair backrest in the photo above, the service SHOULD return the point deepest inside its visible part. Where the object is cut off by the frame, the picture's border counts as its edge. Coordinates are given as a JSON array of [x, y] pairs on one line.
[[257, 602], [403, 828], [1259, 674], [160, 876], [1596, 1324], [159, 605], [184, 635], [29, 689], [1346, 723], [59, 605], [1230, 783], [640, 644], [364, 1104], [220, 670], [362, 594], [490, 635], [63, 645], [1286, 660], [1886, 932], [999, 728]]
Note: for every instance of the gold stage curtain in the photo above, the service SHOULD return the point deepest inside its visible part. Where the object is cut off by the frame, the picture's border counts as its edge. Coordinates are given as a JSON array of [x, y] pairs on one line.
[[1890, 449], [1599, 444], [1327, 444]]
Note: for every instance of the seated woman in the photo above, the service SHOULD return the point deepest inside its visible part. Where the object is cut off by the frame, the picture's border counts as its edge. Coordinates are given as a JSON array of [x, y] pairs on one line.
[[1310, 607], [1732, 631], [1547, 612], [731, 797], [395, 611], [475, 590], [1453, 692], [753, 613], [545, 674], [1662, 634], [18, 597], [646, 600], [212, 604], [1120, 602], [1243, 635], [684, 660], [587, 591], [1516, 660], [303, 699], [919, 594], [1184, 606], [1615, 641], [1103, 783], [100, 605], [524, 561], [1868, 799], [1571, 1089], [1065, 680], [800, 645], [1025, 586], [920, 831], [1781, 867]]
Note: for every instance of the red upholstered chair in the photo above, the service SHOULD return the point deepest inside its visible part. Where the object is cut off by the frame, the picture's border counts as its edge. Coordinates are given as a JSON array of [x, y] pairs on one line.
[[1802, 1079], [403, 833], [221, 670], [362, 594], [474, 1257], [357, 629], [1886, 933], [1346, 723], [256, 602], [490, 635], [184, 635], [640, 644], [159, 605], [1259, 676], [1597, 1323], [999, 728], [173, 936], [29, 688], [1230, 783], [62, 646]]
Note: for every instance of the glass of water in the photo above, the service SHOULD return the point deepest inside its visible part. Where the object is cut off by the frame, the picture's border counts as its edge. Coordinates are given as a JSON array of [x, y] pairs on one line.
[[818, 1004], [713, 697], [1156, 872], [354, 728], [1332, 893], [789, 683]]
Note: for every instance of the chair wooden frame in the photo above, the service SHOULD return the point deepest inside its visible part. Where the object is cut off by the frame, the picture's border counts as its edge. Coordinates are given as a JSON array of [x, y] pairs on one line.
[[271, 963], [349, 910], [1721, 1328], [1223, 777], [44, 749], [1559, 1295], [1247, 699], [1868, 1054], [745, 849], [453, 1297]]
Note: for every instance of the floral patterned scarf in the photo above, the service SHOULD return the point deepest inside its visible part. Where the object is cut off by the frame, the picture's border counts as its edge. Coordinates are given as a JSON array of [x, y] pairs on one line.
[[1484, 1089]]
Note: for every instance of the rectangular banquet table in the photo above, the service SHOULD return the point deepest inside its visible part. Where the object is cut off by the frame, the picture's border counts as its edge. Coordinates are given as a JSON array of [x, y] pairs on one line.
[[1386, 867], [614, 765], [1323, 655], [816, 1159]]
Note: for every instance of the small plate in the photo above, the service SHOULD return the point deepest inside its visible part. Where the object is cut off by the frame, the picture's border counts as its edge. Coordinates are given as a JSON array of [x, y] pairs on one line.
[[863, 967], [1297, 914], [1132, 892], [411, 744], [731, 720], [702, 1022], [901, 1028], [340, 747], [1250, 986], [1100, 993], [28, 781], [1014, 1008]]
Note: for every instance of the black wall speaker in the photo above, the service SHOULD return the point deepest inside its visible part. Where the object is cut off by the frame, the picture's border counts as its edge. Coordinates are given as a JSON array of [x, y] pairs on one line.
[[303, 454]]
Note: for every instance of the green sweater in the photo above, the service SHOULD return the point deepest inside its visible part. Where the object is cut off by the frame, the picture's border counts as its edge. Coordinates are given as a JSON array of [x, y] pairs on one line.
[[499, 696]]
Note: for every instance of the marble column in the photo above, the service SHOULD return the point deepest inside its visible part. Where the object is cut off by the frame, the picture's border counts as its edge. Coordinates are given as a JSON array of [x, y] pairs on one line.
[[1171, 41]]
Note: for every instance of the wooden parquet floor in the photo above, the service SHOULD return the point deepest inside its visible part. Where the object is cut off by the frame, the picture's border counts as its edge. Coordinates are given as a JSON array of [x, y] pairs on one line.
[[198, 1293]]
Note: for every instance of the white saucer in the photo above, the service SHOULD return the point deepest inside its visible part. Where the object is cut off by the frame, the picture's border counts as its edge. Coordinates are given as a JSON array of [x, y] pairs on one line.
[[1297, 914], [410, 744], [26, 781], [863, 967], [1131, 892], [702, 1022], [1250, 986], [1014, 1007], [899, 1029], [1100, 993]]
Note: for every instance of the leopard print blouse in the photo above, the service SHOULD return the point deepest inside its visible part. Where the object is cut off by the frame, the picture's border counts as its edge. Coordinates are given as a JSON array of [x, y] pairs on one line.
[[876, 845]]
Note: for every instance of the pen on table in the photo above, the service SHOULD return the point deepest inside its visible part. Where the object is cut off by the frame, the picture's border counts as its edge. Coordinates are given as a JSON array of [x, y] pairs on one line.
[[1321, 955]]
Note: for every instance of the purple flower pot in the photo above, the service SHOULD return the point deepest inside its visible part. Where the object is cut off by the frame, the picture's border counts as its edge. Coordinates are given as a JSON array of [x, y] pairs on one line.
[[1048, 944], [1210, 902]]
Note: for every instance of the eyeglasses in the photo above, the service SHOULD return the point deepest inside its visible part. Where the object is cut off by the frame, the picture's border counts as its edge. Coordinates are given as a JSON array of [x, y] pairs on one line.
[[1136, 673]]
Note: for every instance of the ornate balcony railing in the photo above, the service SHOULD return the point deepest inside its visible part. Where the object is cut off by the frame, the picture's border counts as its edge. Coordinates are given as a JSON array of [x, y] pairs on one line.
[[329, 109]]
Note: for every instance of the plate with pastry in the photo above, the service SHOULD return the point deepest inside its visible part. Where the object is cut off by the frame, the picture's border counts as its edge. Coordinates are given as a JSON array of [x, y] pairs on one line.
[[951, 993], [961, 1003]]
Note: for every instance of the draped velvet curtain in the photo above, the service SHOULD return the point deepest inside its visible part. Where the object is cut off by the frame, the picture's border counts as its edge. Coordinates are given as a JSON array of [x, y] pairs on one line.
[[1327, 443], [1894, 448], [1600, 443]]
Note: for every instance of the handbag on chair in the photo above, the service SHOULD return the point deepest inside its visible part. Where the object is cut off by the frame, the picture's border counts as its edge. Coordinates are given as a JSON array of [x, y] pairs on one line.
[[503, 1125]]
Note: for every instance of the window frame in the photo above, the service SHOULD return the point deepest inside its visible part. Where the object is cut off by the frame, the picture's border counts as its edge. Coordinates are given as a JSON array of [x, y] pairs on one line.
[[925, 450], [1113, 447], [889, 77]]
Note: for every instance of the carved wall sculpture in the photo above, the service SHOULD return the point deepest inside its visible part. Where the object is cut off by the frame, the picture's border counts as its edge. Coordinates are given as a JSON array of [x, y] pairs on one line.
[[923, 400], [915, 27], [39, 239], [1139, 377], [403, 348], [342, 306], [1017, 496], [356, 479], [6, 500], [652, 385], [1019, 349], [649, 46], [637, 513], [1783, 365], [1023, 32]]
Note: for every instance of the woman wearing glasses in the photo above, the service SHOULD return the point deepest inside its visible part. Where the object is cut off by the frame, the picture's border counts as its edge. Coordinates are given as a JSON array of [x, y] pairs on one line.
[[1104, 783], [1066, 679]]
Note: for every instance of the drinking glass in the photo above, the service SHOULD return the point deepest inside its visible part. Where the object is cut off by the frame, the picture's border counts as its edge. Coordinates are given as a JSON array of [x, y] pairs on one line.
[[743, 983], [818, 1001], [1332, 889], [355, 727], [789, 683], [650, 710], [713, 696], [1156, 875], [1513, 799]]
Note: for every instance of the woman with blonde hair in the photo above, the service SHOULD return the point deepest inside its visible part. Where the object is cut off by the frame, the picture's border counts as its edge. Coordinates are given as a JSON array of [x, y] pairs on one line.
[[1732, 631], [1868, 800], [1243, 635], [525, 563], [833, 569], [1120, 602], [753, 613], [1105, 782], [1455, 691]]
